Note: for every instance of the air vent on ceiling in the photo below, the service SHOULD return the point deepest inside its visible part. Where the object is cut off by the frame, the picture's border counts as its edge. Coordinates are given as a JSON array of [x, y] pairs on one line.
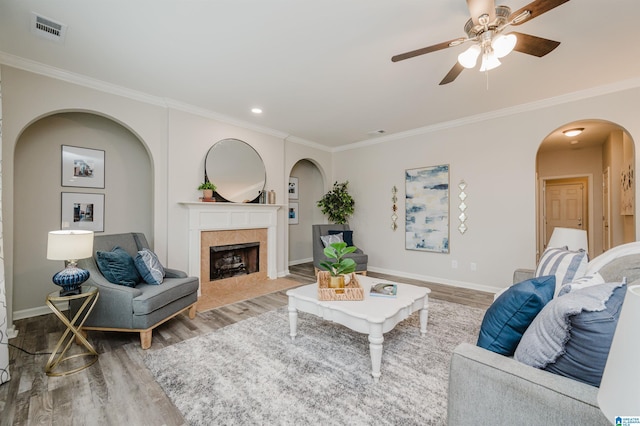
[[47, 28]]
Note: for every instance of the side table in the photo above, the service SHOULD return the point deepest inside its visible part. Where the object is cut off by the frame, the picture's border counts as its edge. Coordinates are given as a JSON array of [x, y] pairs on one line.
[[89, 296]]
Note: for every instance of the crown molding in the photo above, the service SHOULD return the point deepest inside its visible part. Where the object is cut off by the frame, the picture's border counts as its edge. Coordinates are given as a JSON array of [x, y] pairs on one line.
[[310, 144], [99, 85], [505, 112]]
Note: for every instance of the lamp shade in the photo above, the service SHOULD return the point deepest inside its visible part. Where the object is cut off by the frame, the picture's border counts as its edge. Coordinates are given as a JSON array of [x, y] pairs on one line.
[[489, 61], [574, 239], [469, 57], [619, 393], [504, 44], [69, 245]]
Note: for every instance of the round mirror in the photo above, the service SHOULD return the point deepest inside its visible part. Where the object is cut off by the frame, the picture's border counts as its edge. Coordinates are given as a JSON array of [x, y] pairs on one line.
[[236, 169]]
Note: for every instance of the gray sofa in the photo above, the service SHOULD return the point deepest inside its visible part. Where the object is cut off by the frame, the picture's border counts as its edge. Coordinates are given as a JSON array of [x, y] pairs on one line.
[[488, 388], [358, 256], [141, 308]]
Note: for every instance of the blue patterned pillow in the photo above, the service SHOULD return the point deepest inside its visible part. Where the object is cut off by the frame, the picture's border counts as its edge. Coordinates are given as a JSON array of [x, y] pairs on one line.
[[510, 314], [118, 267], [565, 264], [149, 266]]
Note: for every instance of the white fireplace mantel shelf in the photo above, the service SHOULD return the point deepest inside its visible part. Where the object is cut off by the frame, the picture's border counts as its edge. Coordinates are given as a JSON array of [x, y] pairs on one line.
[[206, 216]]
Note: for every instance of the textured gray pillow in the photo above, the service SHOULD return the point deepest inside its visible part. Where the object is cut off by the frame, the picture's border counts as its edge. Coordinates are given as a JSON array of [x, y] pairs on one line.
[[330, 239], [546, 339]]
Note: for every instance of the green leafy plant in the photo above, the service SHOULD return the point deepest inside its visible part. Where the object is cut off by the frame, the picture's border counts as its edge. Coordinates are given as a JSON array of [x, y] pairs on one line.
[[337, 204], [206, 185], [341, 264]]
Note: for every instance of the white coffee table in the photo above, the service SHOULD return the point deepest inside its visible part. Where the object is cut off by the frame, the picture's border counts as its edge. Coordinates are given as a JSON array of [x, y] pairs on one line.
[[373, 315]]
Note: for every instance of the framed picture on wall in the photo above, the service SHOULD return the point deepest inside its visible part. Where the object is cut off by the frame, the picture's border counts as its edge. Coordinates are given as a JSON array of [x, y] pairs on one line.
[[82, 211], [293, 214], [427, 209], [293, 188], [82, 167]]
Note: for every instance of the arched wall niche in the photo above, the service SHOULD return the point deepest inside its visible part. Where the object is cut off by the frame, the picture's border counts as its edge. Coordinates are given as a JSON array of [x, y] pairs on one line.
[[585, 172], [37, 189], [311, 187]]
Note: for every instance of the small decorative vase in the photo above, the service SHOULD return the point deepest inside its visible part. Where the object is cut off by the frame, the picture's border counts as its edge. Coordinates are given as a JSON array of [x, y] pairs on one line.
[[207, 194], [336, 282]]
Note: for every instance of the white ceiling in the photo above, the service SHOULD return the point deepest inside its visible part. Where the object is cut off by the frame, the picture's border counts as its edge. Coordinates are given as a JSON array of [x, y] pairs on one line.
[[322, 70]]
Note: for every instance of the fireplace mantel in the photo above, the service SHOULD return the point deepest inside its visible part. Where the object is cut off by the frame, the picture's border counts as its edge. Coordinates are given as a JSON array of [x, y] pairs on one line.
[[204, 216]]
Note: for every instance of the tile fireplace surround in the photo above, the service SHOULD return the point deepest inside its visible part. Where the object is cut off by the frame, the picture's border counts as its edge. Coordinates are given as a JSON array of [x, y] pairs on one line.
[[205, 217]]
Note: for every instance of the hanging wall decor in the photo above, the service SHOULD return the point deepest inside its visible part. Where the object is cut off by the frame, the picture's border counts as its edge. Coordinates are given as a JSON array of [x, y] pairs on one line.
[[394, 208], [427, 209], [462, 206]]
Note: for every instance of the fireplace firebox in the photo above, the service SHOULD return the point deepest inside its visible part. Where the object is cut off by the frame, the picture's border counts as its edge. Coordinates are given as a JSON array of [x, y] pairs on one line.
[[233, 259]]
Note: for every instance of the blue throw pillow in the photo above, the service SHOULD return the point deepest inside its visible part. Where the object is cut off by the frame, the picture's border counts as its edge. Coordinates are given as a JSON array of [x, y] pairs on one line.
[[572, 335], [347, 236], [149, 266], [118, 267], [508, 317]]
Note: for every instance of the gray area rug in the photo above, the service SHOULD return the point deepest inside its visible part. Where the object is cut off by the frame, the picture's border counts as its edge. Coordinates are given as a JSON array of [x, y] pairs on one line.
[[252, 372]]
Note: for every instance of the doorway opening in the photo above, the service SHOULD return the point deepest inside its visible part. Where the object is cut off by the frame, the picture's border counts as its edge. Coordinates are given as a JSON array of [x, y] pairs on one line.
[[586, 182]]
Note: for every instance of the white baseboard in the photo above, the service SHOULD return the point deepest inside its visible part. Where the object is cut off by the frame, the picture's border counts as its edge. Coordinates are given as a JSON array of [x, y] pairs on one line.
[[439, 280], [40, 310], [300, 261]]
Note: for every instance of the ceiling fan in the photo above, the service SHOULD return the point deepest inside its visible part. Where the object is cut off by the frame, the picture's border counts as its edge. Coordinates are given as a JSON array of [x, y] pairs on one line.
[[484, 29]]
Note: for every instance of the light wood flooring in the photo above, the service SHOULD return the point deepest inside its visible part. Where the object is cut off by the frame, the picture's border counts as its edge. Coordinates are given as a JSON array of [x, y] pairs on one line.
[[118, 389]]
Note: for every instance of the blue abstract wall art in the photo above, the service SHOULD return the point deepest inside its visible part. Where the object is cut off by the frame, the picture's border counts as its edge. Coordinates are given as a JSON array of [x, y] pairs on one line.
[[427, 209]]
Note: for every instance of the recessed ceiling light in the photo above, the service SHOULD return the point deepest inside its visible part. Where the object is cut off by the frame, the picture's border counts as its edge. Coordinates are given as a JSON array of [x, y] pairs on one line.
[[574, 142], [573, 132], [256, 110]]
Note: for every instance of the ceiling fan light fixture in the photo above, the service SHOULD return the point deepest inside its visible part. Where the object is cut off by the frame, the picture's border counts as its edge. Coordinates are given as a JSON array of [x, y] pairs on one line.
[[573, 132], [503, 44], [469, 57], [489, 62]]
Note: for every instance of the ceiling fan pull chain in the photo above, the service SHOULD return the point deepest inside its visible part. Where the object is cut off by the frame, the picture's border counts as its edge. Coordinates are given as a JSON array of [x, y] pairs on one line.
[[486, 73]]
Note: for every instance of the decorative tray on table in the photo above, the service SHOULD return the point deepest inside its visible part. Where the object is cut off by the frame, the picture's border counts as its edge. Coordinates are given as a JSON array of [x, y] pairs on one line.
[[351, 291]]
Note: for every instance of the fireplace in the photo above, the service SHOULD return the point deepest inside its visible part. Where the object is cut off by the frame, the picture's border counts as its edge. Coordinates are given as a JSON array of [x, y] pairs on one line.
[[231, 260]]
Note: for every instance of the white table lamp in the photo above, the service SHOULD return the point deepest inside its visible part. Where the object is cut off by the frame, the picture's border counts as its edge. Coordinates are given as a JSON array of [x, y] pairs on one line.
[[574, 239], [619, 394], [70, 246]]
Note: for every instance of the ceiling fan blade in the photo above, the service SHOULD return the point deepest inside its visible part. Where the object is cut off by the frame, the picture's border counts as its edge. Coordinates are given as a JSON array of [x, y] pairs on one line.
[[452, 74], [424, 50], [478, 8], [532, 45], [537, 8]]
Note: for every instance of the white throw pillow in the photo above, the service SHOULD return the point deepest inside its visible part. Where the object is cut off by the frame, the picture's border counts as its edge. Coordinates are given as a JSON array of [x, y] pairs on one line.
[[584, 282]]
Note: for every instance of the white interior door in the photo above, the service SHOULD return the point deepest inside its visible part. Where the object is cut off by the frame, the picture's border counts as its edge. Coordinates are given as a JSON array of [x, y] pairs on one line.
[[564, 207]]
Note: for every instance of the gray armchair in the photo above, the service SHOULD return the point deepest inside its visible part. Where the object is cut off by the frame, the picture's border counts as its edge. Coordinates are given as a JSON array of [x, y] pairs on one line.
[[359, 256], [141, 308]]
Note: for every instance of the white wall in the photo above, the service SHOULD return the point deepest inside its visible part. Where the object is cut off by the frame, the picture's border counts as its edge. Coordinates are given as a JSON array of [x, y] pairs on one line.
[[496, 157]]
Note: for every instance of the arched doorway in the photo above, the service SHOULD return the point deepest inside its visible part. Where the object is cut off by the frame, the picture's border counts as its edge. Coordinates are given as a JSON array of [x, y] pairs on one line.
[[310, 188], [579, 181]]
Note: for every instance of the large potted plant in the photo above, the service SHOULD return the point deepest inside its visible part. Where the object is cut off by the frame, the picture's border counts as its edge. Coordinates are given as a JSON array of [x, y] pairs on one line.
[[337, 204], [340, 266]]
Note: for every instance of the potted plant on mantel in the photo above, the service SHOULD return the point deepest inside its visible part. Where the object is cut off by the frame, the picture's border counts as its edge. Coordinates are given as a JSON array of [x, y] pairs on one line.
[[337, 204], [341, 265], [207, 189]]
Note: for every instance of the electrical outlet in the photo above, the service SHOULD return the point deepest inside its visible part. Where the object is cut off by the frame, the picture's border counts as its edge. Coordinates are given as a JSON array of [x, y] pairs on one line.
[[473, 266], [454, 264]]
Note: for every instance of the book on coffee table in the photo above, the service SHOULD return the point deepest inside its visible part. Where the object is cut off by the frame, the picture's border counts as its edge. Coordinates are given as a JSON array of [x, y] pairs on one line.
[[383, 290]]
